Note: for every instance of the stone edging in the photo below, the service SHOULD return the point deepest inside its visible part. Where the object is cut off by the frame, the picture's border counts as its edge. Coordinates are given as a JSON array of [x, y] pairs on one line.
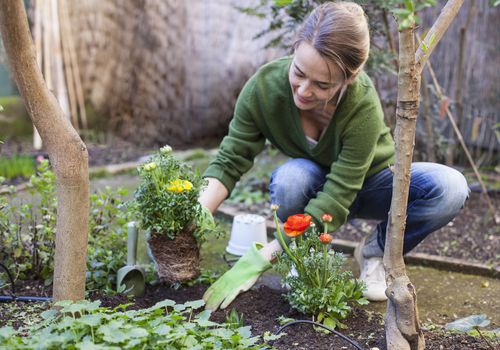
[[420, 259]]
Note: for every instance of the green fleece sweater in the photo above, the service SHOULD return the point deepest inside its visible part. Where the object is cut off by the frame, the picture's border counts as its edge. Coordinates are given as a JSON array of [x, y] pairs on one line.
[[355, 145]]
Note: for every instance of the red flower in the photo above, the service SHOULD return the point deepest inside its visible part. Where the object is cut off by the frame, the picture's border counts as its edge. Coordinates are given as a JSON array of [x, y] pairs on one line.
[[326, 218], [325, 238], [296, 224]]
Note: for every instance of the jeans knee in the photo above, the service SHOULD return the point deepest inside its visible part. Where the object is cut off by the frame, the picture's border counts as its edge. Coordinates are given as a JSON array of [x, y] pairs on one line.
[[293, 184], [449, 188]]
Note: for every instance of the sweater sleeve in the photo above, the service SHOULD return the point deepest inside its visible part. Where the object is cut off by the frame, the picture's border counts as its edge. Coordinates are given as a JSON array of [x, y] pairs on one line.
[[348, 172], [243, 142]]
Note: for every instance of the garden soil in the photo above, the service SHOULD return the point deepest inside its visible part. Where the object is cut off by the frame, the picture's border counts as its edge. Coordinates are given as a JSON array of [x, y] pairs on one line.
[[261, 307]]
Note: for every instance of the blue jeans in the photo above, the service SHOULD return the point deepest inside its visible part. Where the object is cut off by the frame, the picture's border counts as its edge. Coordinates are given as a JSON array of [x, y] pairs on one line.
[[437, 193]]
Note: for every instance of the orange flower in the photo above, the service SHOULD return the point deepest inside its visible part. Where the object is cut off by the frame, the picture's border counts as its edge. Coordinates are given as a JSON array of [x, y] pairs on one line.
[[296, 224], [326, 218], [325, 238]]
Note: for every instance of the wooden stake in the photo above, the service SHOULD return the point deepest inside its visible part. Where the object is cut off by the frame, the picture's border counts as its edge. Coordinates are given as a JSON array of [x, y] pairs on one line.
[[67, 65], [76, 69], [37, 33], [57, 61]]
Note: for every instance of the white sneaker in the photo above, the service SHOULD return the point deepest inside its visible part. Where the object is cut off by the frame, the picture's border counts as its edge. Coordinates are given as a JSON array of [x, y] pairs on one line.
[[372, 273]]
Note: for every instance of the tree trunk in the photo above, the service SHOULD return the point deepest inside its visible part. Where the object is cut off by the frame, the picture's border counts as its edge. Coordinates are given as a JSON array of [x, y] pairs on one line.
[[67, 153], [402, 325]]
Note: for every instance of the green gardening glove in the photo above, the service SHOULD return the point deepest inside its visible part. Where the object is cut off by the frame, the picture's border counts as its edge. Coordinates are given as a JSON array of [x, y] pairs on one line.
[[240, 278]]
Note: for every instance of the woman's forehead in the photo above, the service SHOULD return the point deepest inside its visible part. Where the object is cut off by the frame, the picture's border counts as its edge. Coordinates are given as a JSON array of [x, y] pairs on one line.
[[315, 66]]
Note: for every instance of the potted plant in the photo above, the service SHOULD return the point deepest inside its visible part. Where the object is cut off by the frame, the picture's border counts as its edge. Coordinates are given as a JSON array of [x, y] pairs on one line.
[[174, 221]]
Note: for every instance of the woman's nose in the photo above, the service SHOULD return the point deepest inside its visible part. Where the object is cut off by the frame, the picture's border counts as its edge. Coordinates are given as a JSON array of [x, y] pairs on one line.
[[304, 89]]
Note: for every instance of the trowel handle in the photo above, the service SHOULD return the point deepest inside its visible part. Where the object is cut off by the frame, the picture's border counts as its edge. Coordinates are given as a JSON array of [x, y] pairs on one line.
[[131, 242]]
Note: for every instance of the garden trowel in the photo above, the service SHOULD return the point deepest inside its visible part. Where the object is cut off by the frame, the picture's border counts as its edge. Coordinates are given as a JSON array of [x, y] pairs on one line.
[[131, 276]]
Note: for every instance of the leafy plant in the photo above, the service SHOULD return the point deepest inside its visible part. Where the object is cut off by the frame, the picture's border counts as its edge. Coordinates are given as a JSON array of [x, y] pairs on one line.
[[319, 287], [167, 197], [27, 232], [234, 320], [106, 253], [206, 277], [166, 325], [472, 325]]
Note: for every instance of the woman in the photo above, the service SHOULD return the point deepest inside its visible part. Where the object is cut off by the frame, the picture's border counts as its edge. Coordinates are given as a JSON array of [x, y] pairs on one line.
[[319, 108]]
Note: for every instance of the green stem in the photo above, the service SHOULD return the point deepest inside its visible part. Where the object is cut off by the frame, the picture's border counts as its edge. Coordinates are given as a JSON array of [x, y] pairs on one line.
[[282, 242], [325, 265], [484, 338]]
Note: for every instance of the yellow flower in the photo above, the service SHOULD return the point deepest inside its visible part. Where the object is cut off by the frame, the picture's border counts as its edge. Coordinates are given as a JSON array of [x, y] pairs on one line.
[[188, 185], [179, 186]]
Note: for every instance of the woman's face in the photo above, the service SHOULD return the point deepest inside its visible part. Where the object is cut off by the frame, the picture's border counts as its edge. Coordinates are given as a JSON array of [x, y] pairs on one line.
[[314, 79]]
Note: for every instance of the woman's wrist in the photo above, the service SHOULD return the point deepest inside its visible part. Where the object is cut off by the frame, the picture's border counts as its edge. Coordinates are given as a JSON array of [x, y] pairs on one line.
[[270, 250]]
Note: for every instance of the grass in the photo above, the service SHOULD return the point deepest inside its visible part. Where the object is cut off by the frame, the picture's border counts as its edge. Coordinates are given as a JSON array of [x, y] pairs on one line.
[[17, 166], [14, 120]]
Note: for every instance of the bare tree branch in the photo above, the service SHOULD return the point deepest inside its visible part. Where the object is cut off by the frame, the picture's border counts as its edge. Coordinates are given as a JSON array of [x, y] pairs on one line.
[[434, 35]]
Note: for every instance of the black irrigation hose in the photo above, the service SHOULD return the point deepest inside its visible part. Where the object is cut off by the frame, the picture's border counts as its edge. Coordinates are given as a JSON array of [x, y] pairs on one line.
[[352, 342], [10, 278], [13, 297]]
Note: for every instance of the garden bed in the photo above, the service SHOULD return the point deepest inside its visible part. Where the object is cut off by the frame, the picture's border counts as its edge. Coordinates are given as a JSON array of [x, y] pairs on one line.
[[261, 308]]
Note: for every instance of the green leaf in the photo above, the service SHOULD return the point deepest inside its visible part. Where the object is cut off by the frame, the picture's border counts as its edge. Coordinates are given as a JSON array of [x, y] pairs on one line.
[[91, 320], [196, 304], [468, 323], [7, 332], [401, 12], [162, 329], [245, 332], [89, 345], [282, 3], [162, 304], [268, 336], [48, 314], [409, 5]]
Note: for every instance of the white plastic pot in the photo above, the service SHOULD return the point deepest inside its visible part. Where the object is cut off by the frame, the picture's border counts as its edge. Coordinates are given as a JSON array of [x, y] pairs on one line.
[[247, 228]]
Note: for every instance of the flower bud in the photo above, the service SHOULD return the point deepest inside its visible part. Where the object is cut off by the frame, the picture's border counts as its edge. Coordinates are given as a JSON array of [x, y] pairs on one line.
[[165, 149], [326, 218], [326, 238]]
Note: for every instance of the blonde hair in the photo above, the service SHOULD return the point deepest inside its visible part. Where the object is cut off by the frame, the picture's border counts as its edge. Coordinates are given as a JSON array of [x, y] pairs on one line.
[[339, 32]]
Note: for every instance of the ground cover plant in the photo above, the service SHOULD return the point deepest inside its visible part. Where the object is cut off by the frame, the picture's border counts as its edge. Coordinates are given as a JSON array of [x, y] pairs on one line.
[[165, 325]]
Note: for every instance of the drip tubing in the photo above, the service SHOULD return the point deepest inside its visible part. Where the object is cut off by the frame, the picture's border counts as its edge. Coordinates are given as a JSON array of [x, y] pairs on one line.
[[352, 342], [12, 298]]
